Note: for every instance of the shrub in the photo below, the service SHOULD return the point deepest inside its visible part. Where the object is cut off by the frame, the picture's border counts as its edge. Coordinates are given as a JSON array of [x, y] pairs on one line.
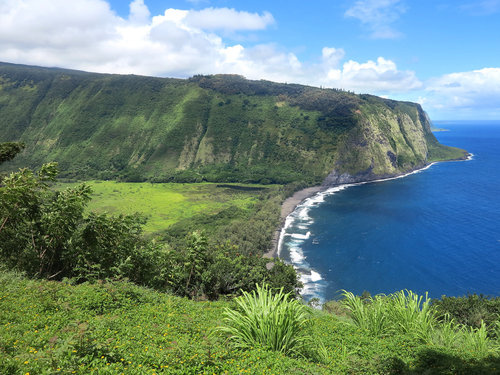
[[45, 233], [476, 340], [470, 310]]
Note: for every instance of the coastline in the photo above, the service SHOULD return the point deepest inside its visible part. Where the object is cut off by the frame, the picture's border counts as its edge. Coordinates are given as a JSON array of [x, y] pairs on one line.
[[290, 204], [287, 207]]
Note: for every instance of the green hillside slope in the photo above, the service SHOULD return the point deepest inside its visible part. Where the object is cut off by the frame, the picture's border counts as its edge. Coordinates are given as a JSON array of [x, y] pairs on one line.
[[208, 128], [117, 327]]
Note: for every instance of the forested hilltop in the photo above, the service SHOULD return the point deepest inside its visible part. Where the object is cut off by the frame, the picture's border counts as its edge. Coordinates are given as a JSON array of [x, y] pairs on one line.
[[220, 128]]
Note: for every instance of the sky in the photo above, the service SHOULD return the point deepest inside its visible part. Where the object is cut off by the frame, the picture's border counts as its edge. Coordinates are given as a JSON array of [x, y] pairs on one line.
[[443, 54]]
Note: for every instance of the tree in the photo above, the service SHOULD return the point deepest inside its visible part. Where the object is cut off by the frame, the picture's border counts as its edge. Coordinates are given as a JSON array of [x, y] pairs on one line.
[[8, 150], [37, 224], [45, 232]]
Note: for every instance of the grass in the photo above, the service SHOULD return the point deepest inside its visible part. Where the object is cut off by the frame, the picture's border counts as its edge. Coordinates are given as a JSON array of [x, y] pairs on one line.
[[167, 203], [269, 320], [406, 313], [117, 327]]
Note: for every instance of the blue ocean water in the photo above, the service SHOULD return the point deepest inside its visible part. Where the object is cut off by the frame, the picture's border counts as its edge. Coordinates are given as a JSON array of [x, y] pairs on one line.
[[435, 231]]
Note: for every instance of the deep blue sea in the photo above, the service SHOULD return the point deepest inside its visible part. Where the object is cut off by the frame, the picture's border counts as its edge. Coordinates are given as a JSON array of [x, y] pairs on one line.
[[435, 231]]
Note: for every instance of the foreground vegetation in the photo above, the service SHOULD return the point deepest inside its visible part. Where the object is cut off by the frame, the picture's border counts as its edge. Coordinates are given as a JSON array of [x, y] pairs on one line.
[[117, 327], [48, 233], [90, 315]]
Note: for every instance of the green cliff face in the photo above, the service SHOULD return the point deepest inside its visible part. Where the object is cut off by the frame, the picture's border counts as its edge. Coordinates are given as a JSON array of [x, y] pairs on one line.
[[214, 128]]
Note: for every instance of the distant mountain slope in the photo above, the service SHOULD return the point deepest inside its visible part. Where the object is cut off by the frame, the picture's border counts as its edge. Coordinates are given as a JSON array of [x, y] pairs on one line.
[[215, 128]]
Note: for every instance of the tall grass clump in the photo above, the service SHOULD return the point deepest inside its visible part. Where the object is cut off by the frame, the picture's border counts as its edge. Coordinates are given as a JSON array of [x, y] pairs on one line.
[[411, 313], [476, 341], [368, 313], [402, 312], [448, 334], [273, 321]]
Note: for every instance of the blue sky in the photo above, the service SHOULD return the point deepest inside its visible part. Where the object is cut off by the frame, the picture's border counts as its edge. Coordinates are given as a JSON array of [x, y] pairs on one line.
[[444, 54]]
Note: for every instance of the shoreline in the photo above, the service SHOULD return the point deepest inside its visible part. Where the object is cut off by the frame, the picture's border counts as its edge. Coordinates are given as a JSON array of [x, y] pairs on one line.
[[287, 207], [291, 203]]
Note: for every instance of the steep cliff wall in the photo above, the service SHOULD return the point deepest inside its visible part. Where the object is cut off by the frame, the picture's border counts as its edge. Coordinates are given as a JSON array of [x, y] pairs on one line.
[[213, 128], [392, 138]]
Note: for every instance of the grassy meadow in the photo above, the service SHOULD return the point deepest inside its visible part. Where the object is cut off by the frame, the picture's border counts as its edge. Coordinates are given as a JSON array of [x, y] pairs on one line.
[[165, 204]]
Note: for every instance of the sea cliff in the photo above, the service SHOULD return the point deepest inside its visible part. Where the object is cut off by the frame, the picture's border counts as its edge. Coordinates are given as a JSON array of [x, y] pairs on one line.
[[220, 128]]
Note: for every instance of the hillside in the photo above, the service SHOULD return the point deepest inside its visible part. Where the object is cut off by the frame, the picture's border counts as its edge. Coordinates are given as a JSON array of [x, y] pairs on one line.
[[208, 128], [117, 327]]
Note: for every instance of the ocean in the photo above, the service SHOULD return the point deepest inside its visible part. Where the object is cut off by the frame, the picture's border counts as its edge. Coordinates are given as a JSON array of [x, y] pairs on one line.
[[436, 230]]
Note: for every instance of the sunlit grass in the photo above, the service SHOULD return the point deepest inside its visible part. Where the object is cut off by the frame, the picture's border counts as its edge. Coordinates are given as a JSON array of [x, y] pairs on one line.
[[117, 327], [167, 203]]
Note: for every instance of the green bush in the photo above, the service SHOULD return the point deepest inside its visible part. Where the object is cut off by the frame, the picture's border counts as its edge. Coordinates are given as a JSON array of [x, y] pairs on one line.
[[200, 269], [411, 313], [370, 315], [45, 234], [406, 313], [470, 310]]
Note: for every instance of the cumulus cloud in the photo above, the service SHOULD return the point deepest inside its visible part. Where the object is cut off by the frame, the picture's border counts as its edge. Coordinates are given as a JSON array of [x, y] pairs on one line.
[[379, 76], [466, 91], [332, 56], [88, 35], [58, 24], [378, 16], [139, 12]]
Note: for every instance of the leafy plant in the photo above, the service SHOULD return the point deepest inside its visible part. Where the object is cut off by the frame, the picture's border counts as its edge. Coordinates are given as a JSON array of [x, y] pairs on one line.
[[447, 334], [476, 341], [45, 233], [402, 312], [273, 321], [368, 313], [470, 310], [8, 150], [411, 313]]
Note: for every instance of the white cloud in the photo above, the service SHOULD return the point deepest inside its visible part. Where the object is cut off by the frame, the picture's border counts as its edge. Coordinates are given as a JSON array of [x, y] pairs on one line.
[[332, 56], [139, 12], [88, 35], [381, 76], [466, 91], [228, 19], [26, 24], [377, 16], [481, 8]]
